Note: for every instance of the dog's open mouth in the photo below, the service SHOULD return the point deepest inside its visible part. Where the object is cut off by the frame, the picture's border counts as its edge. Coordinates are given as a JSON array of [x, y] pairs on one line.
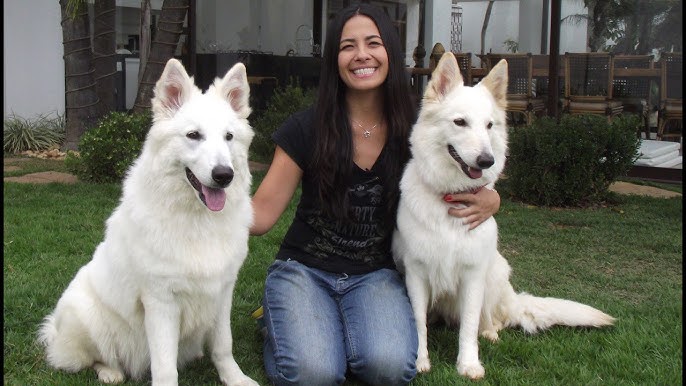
[[213, 198], [473, 173]]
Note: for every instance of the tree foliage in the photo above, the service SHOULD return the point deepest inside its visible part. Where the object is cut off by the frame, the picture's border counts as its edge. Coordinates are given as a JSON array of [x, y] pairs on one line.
[[632, 26]]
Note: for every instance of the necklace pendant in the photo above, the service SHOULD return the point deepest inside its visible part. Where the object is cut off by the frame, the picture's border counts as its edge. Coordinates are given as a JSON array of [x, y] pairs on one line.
[[367, 134]]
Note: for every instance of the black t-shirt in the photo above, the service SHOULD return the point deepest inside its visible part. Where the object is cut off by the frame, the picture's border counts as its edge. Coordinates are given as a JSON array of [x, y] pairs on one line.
[[319, 241]]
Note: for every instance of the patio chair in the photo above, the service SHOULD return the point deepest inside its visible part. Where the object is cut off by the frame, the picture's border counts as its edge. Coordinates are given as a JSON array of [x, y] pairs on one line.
[[464, 60], [671, 99], [634, 92], [521, 98], [588, 84]]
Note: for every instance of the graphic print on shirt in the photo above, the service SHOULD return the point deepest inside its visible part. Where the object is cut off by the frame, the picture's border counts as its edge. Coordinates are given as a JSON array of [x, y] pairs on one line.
[[357, 240]]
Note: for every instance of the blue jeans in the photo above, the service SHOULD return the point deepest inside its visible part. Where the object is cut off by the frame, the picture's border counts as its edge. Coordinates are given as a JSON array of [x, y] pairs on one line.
[[321, 325]]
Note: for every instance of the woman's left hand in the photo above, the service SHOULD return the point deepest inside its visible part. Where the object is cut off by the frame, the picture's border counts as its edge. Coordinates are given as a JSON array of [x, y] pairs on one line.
[[479, 206]]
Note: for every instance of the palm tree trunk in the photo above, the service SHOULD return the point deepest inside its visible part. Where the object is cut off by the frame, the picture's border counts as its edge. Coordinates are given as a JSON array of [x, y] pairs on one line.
[[104, 53], [167, 35], [81, 99]]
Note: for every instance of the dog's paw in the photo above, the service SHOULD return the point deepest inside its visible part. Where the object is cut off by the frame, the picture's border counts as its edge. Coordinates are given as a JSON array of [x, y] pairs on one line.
[[423, 365], [241, 381], [491, 335], [471, 370], [108, 374]]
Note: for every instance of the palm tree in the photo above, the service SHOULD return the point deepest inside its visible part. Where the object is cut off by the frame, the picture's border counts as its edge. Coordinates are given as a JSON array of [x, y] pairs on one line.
[[635, 26], [90, 70], [167, 35], [82, 106]]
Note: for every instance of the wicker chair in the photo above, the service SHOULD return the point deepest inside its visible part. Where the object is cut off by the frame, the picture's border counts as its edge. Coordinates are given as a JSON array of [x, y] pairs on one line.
[[588, 84], [464, 60], [521, 98], [633, 92], [671, 98]]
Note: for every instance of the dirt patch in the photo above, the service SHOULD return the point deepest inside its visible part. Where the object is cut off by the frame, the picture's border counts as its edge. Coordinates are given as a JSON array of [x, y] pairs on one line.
[[66, 178], [642, 190], [9, 164], [44, 178]]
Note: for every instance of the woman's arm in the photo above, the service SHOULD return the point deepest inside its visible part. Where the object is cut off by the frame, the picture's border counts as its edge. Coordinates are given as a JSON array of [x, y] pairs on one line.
[[479, 206], [275, 192]]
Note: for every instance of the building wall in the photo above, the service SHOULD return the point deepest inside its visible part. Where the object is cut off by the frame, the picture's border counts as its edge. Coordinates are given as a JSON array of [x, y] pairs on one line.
[[33, 68], [259, 25]]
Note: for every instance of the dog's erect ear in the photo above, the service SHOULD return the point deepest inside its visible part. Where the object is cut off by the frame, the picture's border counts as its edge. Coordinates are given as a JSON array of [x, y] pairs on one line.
[[172, 90], [234, 87], [445, 78], [496, 83]]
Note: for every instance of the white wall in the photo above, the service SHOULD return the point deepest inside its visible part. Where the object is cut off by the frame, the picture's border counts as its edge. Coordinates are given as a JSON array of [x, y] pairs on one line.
[[261, 25], [518, 20], [33, 68]]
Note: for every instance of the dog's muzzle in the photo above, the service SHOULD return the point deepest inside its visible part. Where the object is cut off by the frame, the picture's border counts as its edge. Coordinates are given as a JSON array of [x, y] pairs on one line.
[[213, 198], [484, 161]]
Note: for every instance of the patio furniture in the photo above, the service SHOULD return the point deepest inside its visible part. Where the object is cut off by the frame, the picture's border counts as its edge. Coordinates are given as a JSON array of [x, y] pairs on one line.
[[634, 92], [464, 60], [521, 98], [588, 84], [671, 108]]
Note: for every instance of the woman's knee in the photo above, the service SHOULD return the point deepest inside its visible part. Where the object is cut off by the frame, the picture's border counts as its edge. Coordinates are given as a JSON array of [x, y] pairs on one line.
[[384, 367], [305, 372]]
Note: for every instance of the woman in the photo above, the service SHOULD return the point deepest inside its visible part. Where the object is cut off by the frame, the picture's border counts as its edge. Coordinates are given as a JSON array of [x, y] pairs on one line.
[[333, 301]]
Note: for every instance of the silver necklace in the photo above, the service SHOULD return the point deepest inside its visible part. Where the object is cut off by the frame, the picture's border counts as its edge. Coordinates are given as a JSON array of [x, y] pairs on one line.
[[366, 132]]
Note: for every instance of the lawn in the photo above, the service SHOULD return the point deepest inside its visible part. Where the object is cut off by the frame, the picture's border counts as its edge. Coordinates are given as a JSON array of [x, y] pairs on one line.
[[624, 258]]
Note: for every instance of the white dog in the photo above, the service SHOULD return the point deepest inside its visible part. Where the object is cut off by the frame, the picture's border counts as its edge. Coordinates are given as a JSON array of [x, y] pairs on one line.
[[459, 144], [160, 285]]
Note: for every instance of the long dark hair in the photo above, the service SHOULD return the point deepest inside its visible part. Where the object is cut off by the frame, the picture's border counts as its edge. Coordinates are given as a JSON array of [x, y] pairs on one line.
[[333, 154]]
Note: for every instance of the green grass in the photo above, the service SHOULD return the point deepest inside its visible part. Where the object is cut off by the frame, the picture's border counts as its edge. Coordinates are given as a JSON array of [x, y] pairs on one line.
[[624, 258]]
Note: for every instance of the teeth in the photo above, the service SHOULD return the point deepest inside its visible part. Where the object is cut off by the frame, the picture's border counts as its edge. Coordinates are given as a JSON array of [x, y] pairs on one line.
[[363, 71]]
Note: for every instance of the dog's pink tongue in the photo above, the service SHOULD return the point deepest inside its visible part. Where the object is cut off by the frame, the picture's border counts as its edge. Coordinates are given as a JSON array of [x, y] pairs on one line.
[[475, 173], [214, 198]]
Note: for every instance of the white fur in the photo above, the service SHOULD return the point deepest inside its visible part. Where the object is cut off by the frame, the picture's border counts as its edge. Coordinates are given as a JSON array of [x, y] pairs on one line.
[[159, 287], [449, 270]]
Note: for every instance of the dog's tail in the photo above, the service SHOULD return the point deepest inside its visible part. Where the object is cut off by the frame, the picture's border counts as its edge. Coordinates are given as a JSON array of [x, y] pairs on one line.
[[534, 314], [47, 331]]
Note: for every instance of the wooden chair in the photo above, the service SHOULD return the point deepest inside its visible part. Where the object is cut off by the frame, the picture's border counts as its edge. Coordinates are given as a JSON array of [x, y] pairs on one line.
[[671, 96], [464, 60], [634, 92], [588, 84], [521, 98]]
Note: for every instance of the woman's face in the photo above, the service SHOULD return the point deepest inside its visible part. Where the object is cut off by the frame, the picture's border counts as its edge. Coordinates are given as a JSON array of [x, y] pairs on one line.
[[362, 56]]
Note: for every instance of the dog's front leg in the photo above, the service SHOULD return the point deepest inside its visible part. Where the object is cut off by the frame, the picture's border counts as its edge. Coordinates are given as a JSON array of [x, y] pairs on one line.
[[471, 295], [222, 345], [162, 321], [419, 292]]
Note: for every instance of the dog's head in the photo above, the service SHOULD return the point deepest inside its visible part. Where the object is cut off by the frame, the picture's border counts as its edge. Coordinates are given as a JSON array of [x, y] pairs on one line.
[[461, 133], [201, 139]]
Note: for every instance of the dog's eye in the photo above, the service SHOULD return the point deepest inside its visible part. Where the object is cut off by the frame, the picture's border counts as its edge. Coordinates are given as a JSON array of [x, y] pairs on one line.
[[193, 135], [229, 136], [460, 122], [490, 124]]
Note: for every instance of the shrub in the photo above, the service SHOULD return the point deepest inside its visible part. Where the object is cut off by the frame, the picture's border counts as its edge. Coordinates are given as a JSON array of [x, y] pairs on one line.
[[281, 105], [21, 134], [571, 163], [107, 150]]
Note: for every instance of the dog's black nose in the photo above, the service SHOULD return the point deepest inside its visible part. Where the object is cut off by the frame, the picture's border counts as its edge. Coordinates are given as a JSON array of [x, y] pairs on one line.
[[222, 175], [485, 160]]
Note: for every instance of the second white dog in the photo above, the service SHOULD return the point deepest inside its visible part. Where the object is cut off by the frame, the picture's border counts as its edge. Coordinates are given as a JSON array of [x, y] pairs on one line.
[[459, 144]]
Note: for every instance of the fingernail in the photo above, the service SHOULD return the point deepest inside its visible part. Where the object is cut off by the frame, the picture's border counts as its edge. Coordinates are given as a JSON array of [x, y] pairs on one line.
[[447, 197]]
